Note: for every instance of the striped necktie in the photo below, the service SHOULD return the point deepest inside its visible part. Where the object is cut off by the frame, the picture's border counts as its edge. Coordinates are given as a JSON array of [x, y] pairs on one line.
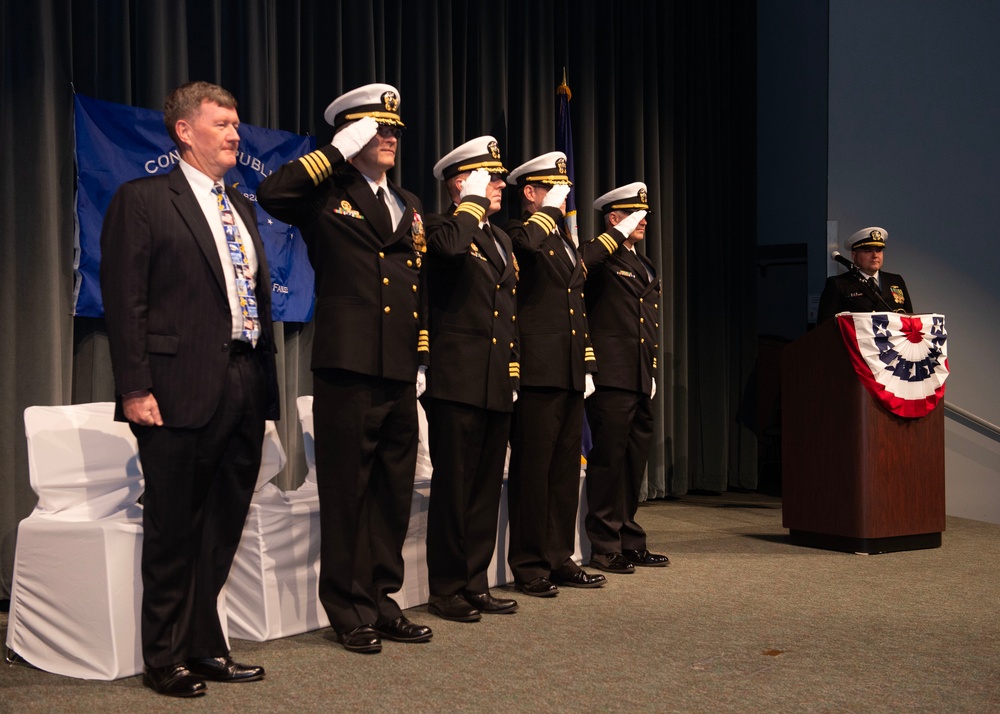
[[244, 279]]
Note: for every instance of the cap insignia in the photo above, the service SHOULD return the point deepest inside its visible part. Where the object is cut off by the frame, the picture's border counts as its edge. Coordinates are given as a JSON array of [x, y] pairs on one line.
[[390, 101], [561, 165], [494, 149]]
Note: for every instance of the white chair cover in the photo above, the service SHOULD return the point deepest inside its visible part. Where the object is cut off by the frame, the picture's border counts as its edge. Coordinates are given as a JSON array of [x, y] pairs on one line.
[[76, 590], [273, 587]]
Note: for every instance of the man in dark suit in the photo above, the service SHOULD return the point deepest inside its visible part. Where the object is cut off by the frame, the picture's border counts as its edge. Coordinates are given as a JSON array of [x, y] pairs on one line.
[[557, 359], [623, 301], [471, 280], [365, 237], [188, 311], [868, 288]]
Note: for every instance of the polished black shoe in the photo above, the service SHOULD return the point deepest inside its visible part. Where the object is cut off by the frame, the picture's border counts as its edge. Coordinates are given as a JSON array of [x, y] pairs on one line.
[[402, 630], [223, 669], [363, 639], [611, 563], [484, 602], [539, 587], [646, 559], [454, 607], [174, 680], [577, 578]]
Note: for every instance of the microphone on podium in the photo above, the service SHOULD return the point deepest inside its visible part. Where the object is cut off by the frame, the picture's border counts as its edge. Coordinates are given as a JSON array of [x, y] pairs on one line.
[[843, 261], [866, 286]]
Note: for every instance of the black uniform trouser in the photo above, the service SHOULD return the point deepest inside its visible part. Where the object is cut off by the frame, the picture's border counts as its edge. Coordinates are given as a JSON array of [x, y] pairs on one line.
[[468, 446], [621, 425], [366, 455], [543, 485]]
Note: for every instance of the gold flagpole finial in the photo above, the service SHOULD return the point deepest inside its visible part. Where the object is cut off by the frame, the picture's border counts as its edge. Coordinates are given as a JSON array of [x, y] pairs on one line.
[[564, 87]]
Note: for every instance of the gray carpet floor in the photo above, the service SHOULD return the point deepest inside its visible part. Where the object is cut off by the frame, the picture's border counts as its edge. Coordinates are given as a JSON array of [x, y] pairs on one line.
[[742, 621]]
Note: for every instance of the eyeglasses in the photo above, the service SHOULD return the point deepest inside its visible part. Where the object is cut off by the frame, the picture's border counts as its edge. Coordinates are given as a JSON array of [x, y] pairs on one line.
[[388, 131], [870, 249]]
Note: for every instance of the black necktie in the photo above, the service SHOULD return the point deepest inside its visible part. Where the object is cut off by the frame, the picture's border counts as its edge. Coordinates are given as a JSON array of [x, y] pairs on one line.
[[384, 208]]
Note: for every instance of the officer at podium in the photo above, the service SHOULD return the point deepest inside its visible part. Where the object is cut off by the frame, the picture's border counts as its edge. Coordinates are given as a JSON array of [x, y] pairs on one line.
[[868, 288]]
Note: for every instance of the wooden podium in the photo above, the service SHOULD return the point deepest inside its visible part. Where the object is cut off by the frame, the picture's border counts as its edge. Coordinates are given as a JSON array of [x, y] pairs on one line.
[[855, 477]]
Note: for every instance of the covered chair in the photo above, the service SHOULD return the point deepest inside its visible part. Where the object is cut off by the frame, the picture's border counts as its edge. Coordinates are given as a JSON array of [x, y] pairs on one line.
[[273, 587], [76, 590]]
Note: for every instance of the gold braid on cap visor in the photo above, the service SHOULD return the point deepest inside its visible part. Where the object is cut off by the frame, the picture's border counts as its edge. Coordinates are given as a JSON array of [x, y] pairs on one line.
[[494, 167], [554, 180], [381, 117]]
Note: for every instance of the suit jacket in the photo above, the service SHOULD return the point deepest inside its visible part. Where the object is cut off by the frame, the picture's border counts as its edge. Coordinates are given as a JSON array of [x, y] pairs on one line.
[[167, 312], [623, 305], [843, 293], [472, 296], [368, 304], [554, 339]]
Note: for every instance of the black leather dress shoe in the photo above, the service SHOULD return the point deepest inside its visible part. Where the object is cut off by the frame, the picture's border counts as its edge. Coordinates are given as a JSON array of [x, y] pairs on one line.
[[402, 630], [611, 563], [454, 607], [363, 639], [578, 579], [223, 669], [645, 558], [174, 680], [539, 587], [484, 602]]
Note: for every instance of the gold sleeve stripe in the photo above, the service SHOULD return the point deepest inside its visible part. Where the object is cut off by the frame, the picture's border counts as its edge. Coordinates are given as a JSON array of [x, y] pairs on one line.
[[588, 355], [515, 369], [317, 165], [423, 341], [654, 363], [473, 209], [608, 242], [543, 221], [310, 168]]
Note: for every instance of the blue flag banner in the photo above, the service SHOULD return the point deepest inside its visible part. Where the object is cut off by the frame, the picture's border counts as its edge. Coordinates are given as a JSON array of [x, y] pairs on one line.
[[116, 143], [564, 143]]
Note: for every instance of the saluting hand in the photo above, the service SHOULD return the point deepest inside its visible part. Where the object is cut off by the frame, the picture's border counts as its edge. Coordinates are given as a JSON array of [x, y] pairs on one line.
[[556, 196], [355, 136], [475, 184], [629, 223]]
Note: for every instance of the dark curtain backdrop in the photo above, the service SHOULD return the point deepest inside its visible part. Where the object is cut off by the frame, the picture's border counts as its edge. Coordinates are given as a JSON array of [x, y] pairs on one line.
[[663, 92]]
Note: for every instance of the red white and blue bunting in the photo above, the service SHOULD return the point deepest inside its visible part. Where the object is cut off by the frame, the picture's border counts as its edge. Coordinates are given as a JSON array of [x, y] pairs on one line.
[[901, 359]]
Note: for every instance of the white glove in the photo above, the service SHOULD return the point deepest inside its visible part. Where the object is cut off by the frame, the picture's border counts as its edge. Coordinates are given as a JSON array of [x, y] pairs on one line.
[[515, 395], [628, 223], [588, 385], [421, 380], [653, 392], [556, 195], [475, 184], [354, 137]]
